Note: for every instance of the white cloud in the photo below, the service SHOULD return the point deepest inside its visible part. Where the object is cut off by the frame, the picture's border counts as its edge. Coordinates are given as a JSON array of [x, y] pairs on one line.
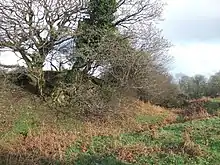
[[196, 58], [9, 58], [192, 9], [193, 27], [187, 20]]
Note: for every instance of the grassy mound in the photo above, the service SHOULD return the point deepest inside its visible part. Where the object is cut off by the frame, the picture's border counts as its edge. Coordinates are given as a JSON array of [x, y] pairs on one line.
[[138, 133]]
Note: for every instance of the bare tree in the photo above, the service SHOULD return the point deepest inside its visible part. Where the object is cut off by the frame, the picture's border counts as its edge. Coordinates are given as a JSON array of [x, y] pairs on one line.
[[135, 19], [32, 28], [135, 60], [41, 30], [134, 11]]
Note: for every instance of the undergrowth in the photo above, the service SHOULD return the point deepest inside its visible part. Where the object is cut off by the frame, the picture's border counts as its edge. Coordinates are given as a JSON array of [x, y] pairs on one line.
[[138, 134]]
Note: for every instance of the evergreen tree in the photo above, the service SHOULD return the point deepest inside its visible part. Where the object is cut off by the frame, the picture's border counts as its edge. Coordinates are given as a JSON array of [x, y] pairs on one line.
[[101, 13], [101, 17], [92, 29]]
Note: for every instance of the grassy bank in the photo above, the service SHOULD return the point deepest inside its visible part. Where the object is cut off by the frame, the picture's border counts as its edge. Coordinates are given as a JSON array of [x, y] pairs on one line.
[[139, 133]]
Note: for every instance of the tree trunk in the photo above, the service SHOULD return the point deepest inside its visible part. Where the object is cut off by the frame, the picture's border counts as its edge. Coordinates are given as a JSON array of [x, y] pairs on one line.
[[37, 76]]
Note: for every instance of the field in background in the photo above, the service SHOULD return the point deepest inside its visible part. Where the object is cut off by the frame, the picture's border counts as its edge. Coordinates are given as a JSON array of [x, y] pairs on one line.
[[139, 133]]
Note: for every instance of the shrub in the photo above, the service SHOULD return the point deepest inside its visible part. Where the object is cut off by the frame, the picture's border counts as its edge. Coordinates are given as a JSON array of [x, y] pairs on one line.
[[212, 107]]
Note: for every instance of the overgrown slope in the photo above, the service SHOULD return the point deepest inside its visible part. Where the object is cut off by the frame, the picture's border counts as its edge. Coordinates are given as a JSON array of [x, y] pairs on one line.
[[139, 133]]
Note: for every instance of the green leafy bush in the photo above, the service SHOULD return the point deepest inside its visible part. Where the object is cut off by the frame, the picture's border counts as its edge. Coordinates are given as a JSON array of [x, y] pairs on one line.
[[212, 107]]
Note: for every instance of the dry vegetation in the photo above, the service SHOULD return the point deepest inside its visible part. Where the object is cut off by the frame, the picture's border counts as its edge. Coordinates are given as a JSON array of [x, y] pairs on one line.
[[89, 112], [138, 133]]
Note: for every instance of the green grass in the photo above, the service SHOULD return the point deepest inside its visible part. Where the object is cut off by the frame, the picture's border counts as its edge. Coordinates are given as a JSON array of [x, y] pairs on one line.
[[216, 100], [213, 106], [205, 133], [162, 145], [24, 123], [151, 118], [99, 160]]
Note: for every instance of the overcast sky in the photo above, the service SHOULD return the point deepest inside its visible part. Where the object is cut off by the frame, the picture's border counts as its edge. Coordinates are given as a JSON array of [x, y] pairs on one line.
[[193, 26]]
